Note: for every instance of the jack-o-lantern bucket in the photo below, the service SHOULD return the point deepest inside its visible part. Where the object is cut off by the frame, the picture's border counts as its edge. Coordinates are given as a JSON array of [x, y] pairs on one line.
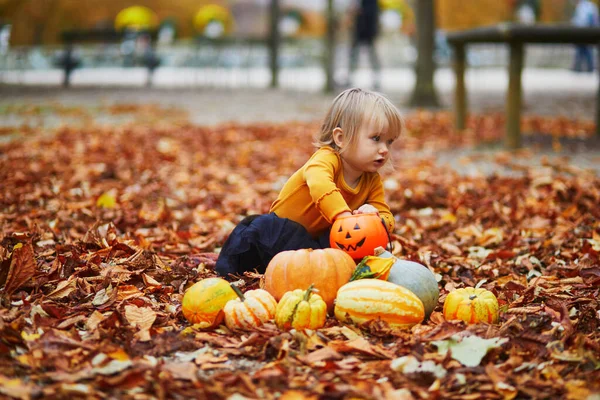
[[358, 235]]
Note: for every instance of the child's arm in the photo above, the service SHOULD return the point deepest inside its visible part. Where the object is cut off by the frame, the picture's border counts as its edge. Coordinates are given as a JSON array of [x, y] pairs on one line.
[[319, 176], [376, 199]]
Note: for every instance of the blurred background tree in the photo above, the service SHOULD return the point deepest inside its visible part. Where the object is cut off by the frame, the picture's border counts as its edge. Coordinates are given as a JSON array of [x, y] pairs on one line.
[[50, 17], [424, 94]]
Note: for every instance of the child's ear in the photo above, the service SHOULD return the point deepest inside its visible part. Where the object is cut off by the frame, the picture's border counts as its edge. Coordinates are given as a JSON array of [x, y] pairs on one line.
[[338, 137]]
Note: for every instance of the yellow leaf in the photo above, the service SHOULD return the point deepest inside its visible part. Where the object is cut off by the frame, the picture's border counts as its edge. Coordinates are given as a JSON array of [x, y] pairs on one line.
[[28, 337], [492, 236], [26, 359], [119, 355], [107, 200], [449, 217]]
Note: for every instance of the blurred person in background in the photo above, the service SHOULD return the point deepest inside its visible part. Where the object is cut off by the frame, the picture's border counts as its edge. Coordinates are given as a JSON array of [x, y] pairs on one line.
[[585, 15], [527, 12], [365, 32], [4, 38]]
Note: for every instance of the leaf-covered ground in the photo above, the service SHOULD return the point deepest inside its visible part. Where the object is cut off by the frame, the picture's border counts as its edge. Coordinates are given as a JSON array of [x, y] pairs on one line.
[[104, 227]]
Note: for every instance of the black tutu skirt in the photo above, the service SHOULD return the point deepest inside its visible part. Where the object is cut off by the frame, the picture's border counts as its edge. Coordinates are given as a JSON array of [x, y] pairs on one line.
[[258, 238]]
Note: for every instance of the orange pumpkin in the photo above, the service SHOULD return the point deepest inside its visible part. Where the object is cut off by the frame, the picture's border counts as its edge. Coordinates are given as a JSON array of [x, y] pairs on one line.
[[204, 301], [471, 305], [327, 269], [371, 299], [250, 310], [358, 235]]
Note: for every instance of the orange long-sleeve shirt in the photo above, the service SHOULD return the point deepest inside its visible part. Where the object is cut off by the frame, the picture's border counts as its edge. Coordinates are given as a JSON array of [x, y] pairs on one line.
[[316, 193]]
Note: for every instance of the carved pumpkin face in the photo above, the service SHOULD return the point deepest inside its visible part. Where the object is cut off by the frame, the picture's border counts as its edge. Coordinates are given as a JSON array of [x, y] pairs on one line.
[[358, 235]]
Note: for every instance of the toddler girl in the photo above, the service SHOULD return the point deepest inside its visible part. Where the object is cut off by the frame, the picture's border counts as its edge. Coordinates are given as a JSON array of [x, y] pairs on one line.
[[340, 178]]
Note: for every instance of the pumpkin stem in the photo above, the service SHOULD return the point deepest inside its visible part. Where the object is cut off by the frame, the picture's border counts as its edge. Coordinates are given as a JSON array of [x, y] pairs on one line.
[[238, 292], [472, 297], [308, 292]]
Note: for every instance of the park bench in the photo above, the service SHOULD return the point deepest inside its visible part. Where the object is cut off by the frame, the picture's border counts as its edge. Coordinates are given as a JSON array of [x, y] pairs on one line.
[[69, 62], [515, 36]]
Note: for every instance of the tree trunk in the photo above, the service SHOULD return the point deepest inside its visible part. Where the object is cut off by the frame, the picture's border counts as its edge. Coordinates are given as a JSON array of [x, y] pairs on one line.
[[424, 94], [274, 42], [330, 48]]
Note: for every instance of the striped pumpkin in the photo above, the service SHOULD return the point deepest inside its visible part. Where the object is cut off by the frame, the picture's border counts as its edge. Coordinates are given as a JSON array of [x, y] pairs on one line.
[[369, 299], [326, 269], [472, 305], [250, 309]]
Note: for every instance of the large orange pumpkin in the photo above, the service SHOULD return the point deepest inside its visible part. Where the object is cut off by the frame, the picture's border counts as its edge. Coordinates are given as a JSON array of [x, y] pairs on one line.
[[204, 301], [326, 269], [358, 234], [371, 299], [472, 305]]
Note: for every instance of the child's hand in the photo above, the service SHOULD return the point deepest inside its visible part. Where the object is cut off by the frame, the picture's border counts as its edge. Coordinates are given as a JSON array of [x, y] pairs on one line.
[[366, 209], [344, 214]]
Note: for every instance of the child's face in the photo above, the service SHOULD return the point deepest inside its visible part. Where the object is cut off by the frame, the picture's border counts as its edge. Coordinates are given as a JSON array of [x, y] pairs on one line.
[[372, 148]]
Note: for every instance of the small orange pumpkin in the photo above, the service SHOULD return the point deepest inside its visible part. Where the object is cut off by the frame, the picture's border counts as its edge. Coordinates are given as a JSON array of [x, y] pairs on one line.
[[369, 299], [204, 301], [472, 305], [358, 234], [327, 269], [250, 310]]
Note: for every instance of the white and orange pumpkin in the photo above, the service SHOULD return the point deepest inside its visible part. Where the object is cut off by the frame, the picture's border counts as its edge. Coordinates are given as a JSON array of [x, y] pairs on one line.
[[250, 309], [371, 299]]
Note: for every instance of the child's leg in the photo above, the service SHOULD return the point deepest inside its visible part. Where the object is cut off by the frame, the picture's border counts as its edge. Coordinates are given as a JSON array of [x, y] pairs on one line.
[[324, 239], [588, 59], [257, 239]]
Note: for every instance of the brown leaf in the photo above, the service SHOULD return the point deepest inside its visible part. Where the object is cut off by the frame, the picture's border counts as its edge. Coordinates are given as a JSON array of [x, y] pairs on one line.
[[361, 345], [104, 297], [324, 354], [140, 317], [182, 370], [94, 320], [63, 289], [128, 292], [22, 268]]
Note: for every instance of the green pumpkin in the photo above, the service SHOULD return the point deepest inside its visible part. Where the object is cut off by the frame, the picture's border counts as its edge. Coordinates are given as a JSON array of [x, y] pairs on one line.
[[415, 277]]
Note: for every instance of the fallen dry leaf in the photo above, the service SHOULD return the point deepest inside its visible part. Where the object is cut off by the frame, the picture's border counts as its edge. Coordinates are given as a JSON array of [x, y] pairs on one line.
[[104, 227]]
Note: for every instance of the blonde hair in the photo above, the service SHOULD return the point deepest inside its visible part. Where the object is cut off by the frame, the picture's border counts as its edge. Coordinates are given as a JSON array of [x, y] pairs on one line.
[[350, 109]]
